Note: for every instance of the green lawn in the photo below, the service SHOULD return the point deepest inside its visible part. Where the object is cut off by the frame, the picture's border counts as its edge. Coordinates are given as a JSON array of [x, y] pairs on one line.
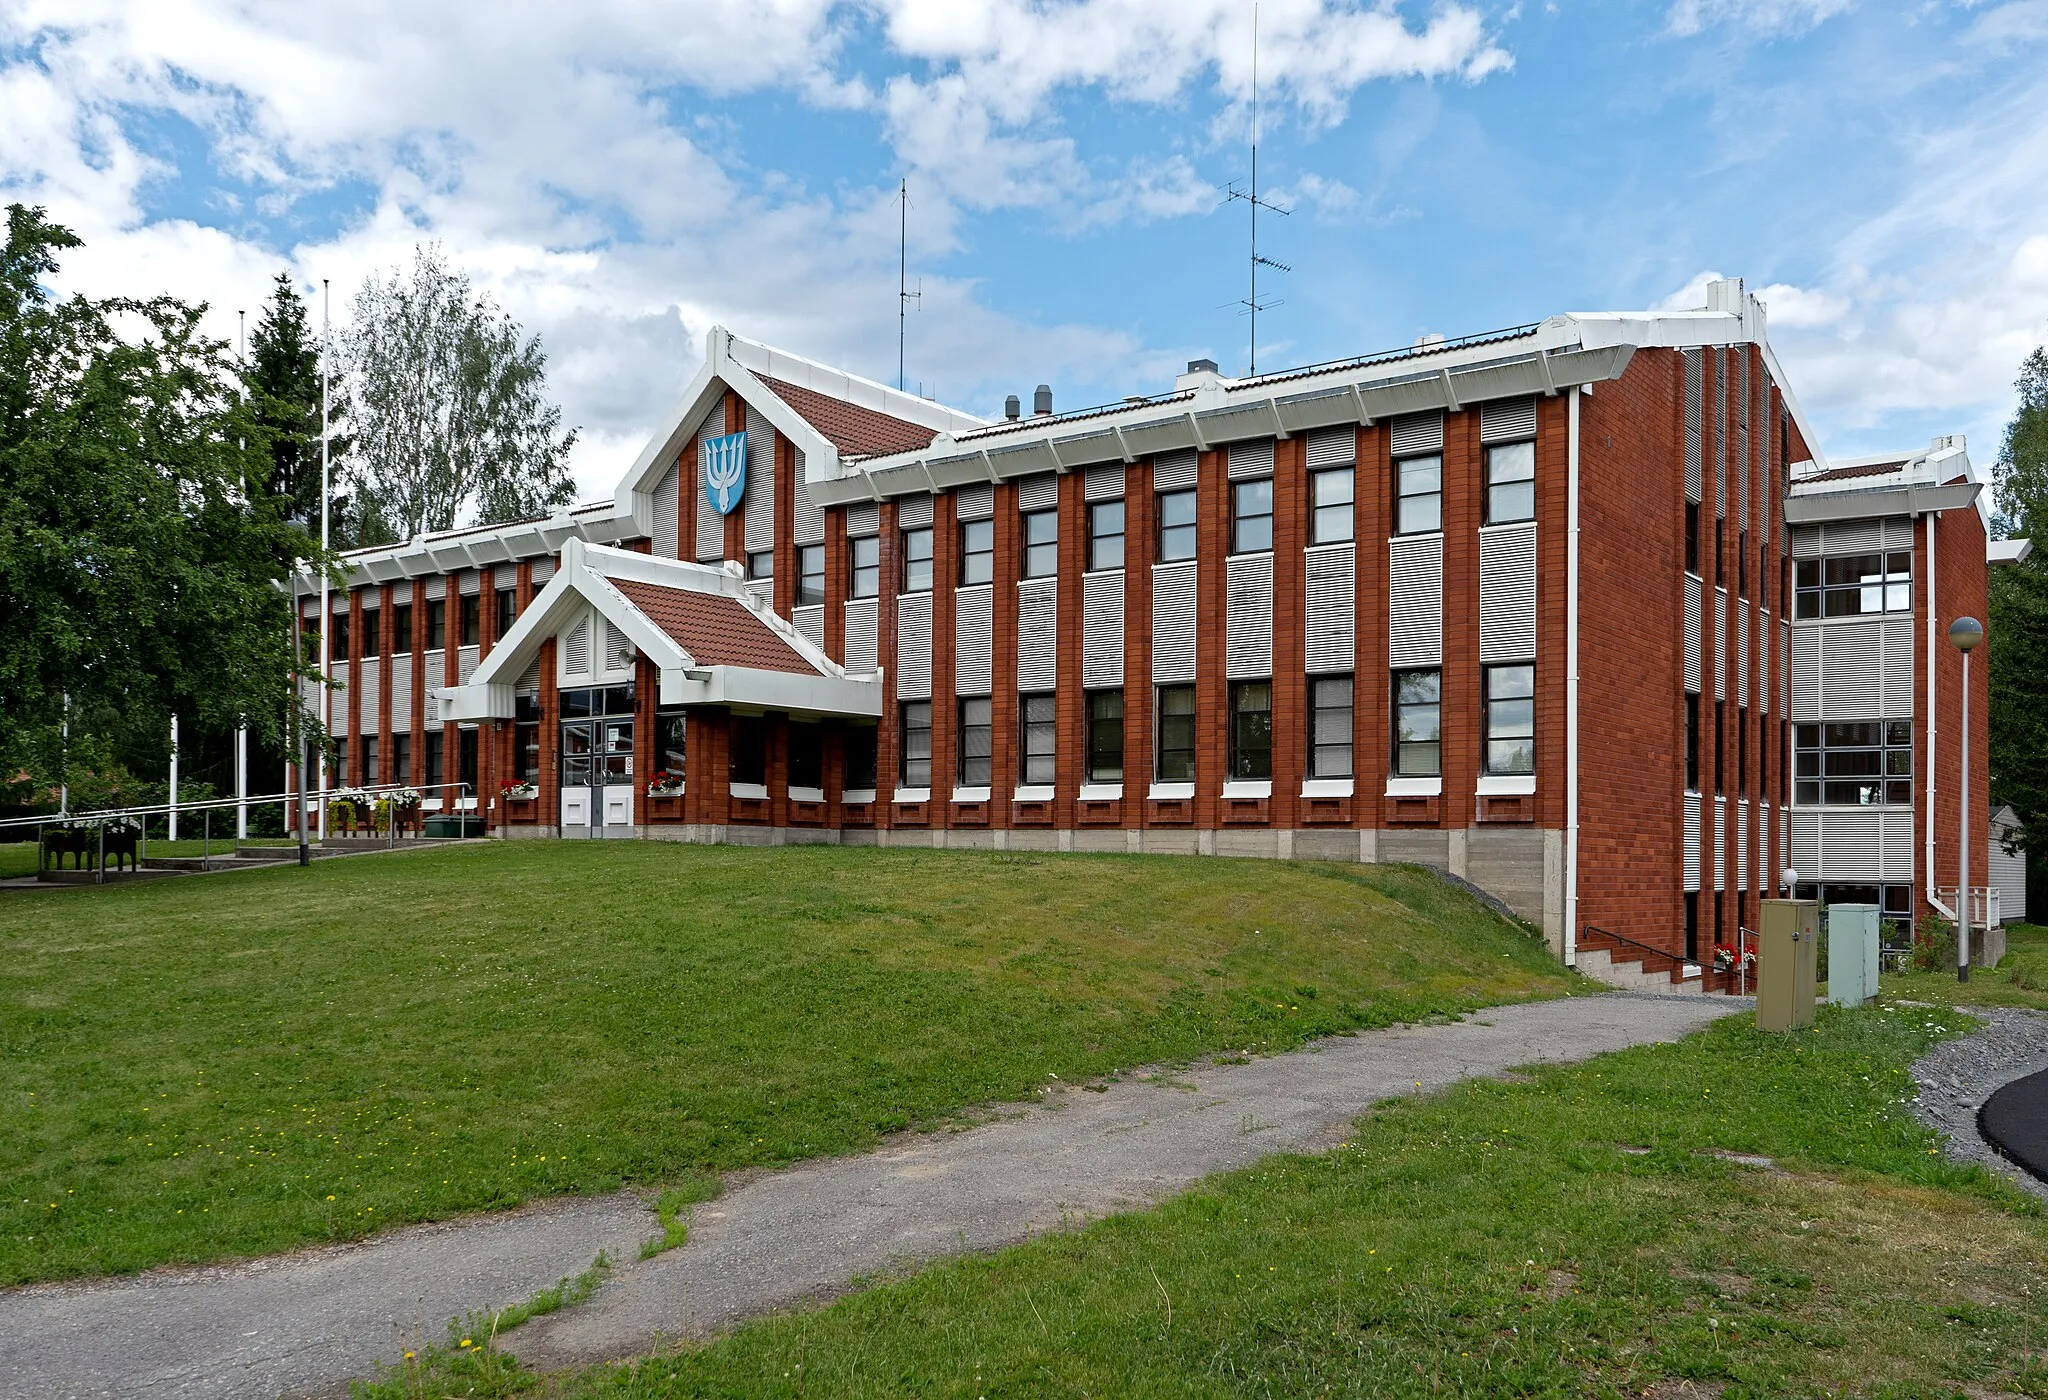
[[194, 1069], [1568, 1235], [19, 857], [2020, 980]]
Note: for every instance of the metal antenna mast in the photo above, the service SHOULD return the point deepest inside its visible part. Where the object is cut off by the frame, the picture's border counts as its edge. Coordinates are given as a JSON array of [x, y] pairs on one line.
[[904, 296], [1251, 305]]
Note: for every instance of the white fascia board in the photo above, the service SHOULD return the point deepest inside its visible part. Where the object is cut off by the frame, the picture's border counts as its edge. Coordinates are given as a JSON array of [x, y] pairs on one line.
[[1805, 509], [2008, 551], [666, 444], [849, 388], [749, 688]]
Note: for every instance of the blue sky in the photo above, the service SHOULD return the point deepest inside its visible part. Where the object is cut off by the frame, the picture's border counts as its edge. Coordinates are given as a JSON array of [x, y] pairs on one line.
[[624, 175]]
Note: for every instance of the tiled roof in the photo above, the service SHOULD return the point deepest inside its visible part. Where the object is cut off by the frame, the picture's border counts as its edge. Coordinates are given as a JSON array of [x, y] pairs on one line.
[[854, 430], [714, 629], [1851, 473]]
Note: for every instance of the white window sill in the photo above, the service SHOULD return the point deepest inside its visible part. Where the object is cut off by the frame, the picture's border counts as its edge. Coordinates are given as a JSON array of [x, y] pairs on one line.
[[427, 804], [806, 794], [750, 790], [1101, 792], [857, 795], [1415, 787], [1260, 788], [1171, 791], [911, 794], [970, 794], [1326, 787], [1036, 792], [1507, 784], [1528, 524]]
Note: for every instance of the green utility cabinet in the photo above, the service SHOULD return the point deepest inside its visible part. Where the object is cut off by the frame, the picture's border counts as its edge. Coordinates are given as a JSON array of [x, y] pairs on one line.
[[1852, 953], [448, 824], [1785, 956]]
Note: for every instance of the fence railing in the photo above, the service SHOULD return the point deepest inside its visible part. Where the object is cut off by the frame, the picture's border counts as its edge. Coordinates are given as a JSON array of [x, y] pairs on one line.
[[1984, 903], [1676, 960]]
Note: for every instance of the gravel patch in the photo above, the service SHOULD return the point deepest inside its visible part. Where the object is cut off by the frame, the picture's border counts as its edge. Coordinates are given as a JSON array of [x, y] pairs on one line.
[[1958, 1075]]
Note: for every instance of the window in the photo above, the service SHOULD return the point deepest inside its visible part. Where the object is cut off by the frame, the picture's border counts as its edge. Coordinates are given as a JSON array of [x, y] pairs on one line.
[[1329, 726], [1419, 487], [1176, 526], [1692, 925], [864, 567], [1692, 537], [1511, 719], [1742, 564], [917, 744], [525, 751], [977, 551], [1692, 743], [1251, 729], [1510, 482], [1105, 736], [1851, 585], [1418, 717], [761, 564], [1330, 499], [749, 759], [810, 574], [1720, 556], [858, 754], [466, 760], [472, 605], [508, 611], [401, 758], [672, 742], [917, 560], [1251, 516], [372, 638], [1741, 752], [370, 759], [807, 756], [1106, 535], [1176, 744], [437, 624], [435, 774], [1037, 731], [339, 776], [401, 628], [977, 741], [339, 632], [1720, 743], [1858, 764], [1041, 543]]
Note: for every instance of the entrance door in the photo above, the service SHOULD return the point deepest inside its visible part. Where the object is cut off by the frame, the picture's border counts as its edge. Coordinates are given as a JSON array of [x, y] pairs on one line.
[[580, 791], [614, 809]]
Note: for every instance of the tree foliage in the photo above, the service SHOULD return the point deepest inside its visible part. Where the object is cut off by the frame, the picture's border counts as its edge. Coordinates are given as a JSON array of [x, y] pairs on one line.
[[282, 378], [449, 408], [141, 546], [2018, 634]]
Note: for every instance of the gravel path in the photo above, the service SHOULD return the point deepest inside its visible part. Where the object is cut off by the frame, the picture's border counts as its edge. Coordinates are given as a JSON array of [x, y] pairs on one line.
[[1958, 1075], [306, 1324]]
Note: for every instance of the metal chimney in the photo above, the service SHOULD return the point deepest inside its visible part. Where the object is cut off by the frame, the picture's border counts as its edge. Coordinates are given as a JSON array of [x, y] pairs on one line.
[[1012, 410], [1041, 402]]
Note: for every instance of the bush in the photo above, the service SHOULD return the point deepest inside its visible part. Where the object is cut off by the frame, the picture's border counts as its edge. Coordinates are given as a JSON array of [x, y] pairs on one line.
[[1934, 944]]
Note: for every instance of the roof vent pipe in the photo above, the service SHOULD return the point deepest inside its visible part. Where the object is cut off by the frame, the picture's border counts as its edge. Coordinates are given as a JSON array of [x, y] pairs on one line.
[[1041, 402], [1201, 367], [1012, 410]]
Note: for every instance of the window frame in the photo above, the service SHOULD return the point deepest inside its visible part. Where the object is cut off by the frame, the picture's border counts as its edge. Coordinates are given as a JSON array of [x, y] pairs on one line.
[[1401, 711], [977, 560], [338, 631], [915, 575], [1038, 558], [1345, 510], [1894, 761], [1161, 530], [1692, 538], [806, 741], [373, 633], [1811, 601], [747, 755], [437, 624], [1317, 708], [978, 721], [808, 593], [401, 629], [1251, 531], [470, 614], [1100, 726], [1505, 734], [1494, 487], [1038, 738], [507, 603], [1403, 496], [1250, 755], [859, 572], [1183, 732], [907, 713], [860, 749], [760, 565], [1097, 537]]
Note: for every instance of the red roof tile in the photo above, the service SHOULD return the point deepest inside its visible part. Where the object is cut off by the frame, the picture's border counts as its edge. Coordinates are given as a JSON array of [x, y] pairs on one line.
[[714, 629], [854, 430], [1850, 473]]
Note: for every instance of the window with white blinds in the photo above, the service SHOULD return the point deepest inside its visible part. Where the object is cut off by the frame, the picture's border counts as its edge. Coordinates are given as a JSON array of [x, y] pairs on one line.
[[1037, 634], [1102, 629], [1248, 617], [1415, 601], [1330, 628], [1507, 593], [973, 640], [1173, 623], [914, 647]]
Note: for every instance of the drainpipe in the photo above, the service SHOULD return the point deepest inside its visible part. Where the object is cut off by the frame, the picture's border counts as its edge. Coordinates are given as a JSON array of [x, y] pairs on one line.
[[1571, 684], [1933, 655]]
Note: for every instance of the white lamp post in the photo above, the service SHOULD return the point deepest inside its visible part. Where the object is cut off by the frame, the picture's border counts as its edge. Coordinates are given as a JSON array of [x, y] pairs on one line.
[[1966, 633]]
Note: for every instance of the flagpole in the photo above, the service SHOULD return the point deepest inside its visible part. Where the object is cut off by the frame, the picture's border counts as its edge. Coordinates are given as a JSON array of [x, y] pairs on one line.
[[326, 621]]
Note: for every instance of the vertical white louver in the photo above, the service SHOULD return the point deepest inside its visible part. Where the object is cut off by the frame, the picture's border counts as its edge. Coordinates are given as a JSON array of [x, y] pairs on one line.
[[401, 695], [469, 582], [1331, 627], [1692, 425], [465, 665], [806, 516], [1037, 635], [760, 499], [1807, 542], [810, 621], [1720, 644], [1785, 669], [914, 647], [1173, 623], [1692, 841], [1804, 856], [1102, 629], [529, 682], [1765, 682], [618, 648], [1692, 634], [543, 570], [1853, 670], [1854, 536], [1507, 593], [862, 652], [1247, 461], [1895, 843], [977, 502], [1507, 420], [1742, 452], [1741, 652], [1104, 483], [401, 591], [1897, 642], [367, 689], [710, 524], [1174, 471], [1038, 492], [1248, 617], [1720, 843], [1742, 844], [973, 640], [1415, 600], [667, 507], [1806, 674], [576, 650], [863, 518], [1332, 447], [913, 512], [1418, 432], [1717, 404]]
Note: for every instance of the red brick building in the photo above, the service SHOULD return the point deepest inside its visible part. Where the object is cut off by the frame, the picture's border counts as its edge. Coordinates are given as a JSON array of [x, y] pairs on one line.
[[1516, 606]]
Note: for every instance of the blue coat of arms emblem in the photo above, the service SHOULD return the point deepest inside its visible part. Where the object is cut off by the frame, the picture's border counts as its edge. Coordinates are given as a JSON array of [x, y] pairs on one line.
[[725, 471]]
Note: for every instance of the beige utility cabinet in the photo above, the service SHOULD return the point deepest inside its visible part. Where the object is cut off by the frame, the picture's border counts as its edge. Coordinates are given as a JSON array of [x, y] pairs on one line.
[[1787, 947]]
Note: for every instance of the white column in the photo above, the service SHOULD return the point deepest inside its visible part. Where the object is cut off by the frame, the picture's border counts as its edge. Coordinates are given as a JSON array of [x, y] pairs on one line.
[[174, 777], [242, 780]]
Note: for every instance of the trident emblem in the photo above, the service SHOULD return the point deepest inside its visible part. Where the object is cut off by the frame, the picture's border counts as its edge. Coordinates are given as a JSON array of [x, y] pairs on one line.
[[725, 471]]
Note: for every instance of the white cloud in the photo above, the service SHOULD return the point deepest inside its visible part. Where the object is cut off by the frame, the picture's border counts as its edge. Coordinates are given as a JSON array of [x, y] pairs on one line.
[[1770, 17]]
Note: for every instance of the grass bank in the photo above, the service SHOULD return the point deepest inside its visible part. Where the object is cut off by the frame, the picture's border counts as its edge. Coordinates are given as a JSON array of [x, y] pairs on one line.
[[2020, 980], [1588, 1231], [196, 1069]]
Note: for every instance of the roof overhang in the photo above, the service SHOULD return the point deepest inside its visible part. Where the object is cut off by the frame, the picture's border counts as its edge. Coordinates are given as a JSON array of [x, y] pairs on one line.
[[1891, 500]]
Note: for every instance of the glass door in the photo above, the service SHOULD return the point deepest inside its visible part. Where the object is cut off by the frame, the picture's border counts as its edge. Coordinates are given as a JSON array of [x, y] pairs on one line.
[[581, 809], [615, 773]]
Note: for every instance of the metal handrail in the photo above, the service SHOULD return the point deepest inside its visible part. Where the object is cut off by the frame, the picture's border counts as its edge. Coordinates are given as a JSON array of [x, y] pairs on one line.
[[1676, 959], [1743, 937], [158, 809]]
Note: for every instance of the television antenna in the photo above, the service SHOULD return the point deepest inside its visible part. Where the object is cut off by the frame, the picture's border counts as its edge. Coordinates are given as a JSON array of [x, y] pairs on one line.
[[1251, 306], [904, 296]]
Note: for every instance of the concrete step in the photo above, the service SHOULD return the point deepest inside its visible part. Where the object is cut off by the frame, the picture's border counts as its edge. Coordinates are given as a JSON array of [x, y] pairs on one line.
[[1630, 976]]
